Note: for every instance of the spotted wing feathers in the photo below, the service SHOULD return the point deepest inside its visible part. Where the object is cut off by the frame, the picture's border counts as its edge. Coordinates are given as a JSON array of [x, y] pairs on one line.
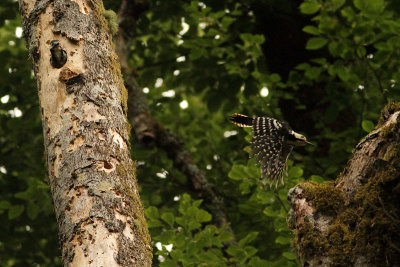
[[268, 145], [242, 120]]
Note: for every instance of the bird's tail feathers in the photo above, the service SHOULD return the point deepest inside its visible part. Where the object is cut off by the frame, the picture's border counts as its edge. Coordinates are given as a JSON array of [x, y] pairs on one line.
[[241, 120]]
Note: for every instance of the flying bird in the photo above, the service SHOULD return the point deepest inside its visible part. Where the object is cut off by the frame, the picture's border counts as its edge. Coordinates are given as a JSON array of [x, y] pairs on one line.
[[272, 143]]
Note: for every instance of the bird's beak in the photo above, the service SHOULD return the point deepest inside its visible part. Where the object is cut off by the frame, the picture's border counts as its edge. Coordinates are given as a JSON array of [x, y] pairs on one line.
[[309, 143]]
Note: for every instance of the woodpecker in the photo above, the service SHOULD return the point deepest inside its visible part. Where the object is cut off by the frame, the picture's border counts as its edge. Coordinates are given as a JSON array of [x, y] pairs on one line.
[[272, 143], [58, 55]]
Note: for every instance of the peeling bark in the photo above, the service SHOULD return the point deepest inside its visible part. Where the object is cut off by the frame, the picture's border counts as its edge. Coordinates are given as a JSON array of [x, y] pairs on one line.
[[86, 135], [147, 129], [355, 220]]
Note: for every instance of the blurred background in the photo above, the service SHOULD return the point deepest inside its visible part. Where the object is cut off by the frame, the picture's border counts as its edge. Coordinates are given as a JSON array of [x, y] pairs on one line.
[[327, 67]]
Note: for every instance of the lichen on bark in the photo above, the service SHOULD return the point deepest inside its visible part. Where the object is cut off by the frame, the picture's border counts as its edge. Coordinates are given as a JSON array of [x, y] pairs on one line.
[[354, 221], [101, 220]]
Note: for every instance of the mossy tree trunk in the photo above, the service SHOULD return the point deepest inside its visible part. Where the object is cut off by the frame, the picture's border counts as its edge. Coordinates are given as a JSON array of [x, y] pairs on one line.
[[355, 220], [86, 134]]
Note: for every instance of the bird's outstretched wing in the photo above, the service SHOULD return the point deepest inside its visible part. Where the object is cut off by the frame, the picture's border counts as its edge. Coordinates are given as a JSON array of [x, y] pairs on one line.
[[270, 148]]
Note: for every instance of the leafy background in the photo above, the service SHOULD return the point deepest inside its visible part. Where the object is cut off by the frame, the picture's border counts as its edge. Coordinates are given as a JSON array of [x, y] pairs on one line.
[[327, 67]]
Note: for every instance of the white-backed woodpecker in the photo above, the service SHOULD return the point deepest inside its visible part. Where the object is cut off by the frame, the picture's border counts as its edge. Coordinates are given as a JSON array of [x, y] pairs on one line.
[[272, 143]]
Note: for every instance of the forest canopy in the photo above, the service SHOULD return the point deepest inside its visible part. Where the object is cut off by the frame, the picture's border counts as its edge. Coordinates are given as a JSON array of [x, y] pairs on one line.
[[326, 67]]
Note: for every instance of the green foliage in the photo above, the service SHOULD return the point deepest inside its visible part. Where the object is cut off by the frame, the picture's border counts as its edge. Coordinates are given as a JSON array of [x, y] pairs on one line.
[[367, 125], [316, 43], [310, 7], [184, 239], [329, 66], [370, 6]]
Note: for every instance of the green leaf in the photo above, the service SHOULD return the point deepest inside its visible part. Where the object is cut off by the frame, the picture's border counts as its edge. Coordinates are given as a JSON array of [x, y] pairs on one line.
[[4, 204], [281, 224], [367, 125], [289, 255], [257, 262], [311, 30], [226, 21], [225, 237], [337, 4], [237, 173], [250, 251], [316, 43], [274, 77], [361, 51], [191, 212], [152, 213], [313, 73], [343, 73], [295, 172], [167, 237], [317, 179], [247, 239], [168, 263], [180, 220], [154, 223], [32, 210], [185, 204], [193, 225], [15, 211], [203, 216], [186, 198], [283, 240], [236, 252], [265, 196], [309, 8], [271, 212], [246, 37], [333, 48], [197, 53], [348, 13], [169, 218], [330, 170], [370, 6], [197, 203], [259, 38], [245, 187]]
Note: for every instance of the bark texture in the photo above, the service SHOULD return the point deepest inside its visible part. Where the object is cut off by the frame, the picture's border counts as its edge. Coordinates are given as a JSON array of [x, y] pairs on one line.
[[86, 134], [147, 129], [355, 220]]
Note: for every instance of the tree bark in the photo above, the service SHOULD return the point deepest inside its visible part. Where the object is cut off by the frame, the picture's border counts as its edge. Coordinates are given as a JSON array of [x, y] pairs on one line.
[[355, 220], [86, 135]]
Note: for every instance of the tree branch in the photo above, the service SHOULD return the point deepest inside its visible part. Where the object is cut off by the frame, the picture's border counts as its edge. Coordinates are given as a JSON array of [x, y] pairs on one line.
[[352, 222], [149, 130]]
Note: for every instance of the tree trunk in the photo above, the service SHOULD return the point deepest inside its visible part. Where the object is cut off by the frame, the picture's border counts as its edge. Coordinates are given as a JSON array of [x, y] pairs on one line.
[[355, 220], [86, 134]]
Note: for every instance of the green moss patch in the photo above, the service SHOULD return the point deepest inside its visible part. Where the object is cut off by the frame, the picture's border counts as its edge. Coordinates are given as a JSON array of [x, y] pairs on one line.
[[310, 241], [367, 226], [325, 197]]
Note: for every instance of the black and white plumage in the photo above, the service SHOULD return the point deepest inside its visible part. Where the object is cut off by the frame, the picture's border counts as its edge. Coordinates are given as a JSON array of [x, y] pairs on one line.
[[272, 143], [58, 54]]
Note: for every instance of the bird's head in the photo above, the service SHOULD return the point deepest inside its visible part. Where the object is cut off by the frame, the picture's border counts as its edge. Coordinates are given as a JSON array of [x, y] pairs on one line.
[[297, 139], [54, 43]]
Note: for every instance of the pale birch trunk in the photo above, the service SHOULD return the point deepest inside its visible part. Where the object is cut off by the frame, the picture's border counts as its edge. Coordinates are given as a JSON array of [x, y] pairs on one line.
[[86, 135]]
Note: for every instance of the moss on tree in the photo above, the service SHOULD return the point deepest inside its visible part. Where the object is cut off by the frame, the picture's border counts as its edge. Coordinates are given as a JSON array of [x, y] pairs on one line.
[[366, 225]]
